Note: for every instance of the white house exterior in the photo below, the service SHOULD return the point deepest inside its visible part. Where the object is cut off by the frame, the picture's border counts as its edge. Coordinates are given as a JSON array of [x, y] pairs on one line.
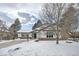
[[46, 31]]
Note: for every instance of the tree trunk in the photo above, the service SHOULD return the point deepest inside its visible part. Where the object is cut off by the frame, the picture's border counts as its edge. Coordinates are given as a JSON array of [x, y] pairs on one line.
[[57, 42], [74, 36], [58, 27]]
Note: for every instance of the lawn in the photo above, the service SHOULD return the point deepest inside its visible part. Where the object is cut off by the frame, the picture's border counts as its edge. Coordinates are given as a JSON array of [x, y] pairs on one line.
[[42, 48]]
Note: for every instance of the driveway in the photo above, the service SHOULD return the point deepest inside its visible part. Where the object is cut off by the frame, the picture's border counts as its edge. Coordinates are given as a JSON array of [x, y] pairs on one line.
[[10, 43]]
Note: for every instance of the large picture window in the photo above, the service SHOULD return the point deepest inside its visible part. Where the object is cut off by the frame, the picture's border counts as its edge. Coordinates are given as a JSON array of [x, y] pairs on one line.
[[49, 34]]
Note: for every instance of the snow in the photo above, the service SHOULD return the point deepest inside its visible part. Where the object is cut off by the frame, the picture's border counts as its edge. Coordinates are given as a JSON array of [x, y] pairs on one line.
[[42, 48], [4, 41]]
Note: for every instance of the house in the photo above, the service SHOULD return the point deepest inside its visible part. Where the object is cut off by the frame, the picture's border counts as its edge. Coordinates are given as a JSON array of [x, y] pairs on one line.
[[45, 31]]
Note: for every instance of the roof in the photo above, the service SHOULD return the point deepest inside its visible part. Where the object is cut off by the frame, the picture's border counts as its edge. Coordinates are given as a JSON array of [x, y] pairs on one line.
[[42, 27]]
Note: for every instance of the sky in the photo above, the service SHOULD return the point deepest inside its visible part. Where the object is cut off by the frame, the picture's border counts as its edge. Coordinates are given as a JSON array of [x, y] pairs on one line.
[[28, 14]]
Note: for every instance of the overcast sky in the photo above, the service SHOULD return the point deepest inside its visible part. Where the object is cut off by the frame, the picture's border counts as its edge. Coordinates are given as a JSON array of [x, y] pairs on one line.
[[26, 12]]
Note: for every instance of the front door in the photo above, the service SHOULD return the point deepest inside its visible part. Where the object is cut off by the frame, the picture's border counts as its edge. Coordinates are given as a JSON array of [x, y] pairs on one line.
[[35, 36]]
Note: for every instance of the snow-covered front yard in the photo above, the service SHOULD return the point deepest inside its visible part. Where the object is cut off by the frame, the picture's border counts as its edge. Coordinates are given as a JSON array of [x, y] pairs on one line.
[[42, 48]]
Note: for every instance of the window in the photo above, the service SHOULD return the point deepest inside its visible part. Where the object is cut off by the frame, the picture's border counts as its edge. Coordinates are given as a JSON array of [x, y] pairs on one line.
[[19, 35], [49, 34]]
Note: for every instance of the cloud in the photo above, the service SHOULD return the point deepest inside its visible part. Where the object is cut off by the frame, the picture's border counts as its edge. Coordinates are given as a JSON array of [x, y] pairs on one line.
[[28, 18], [26, 27], [5, 17], [26, 12]]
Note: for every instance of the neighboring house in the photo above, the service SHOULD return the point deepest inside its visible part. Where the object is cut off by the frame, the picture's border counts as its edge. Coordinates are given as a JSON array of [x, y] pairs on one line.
[[23, 35]]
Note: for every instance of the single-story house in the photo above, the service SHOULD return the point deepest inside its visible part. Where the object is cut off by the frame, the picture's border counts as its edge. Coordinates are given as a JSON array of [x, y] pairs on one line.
[[45, 31]]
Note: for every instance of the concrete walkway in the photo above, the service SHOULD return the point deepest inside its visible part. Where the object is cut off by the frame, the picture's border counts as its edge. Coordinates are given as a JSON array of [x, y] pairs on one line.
[[10, 43]]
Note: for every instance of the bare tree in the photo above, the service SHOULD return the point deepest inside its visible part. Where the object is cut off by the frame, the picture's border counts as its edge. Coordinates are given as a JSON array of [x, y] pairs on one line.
[[69, 22], [52, 13], [3, 29]]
